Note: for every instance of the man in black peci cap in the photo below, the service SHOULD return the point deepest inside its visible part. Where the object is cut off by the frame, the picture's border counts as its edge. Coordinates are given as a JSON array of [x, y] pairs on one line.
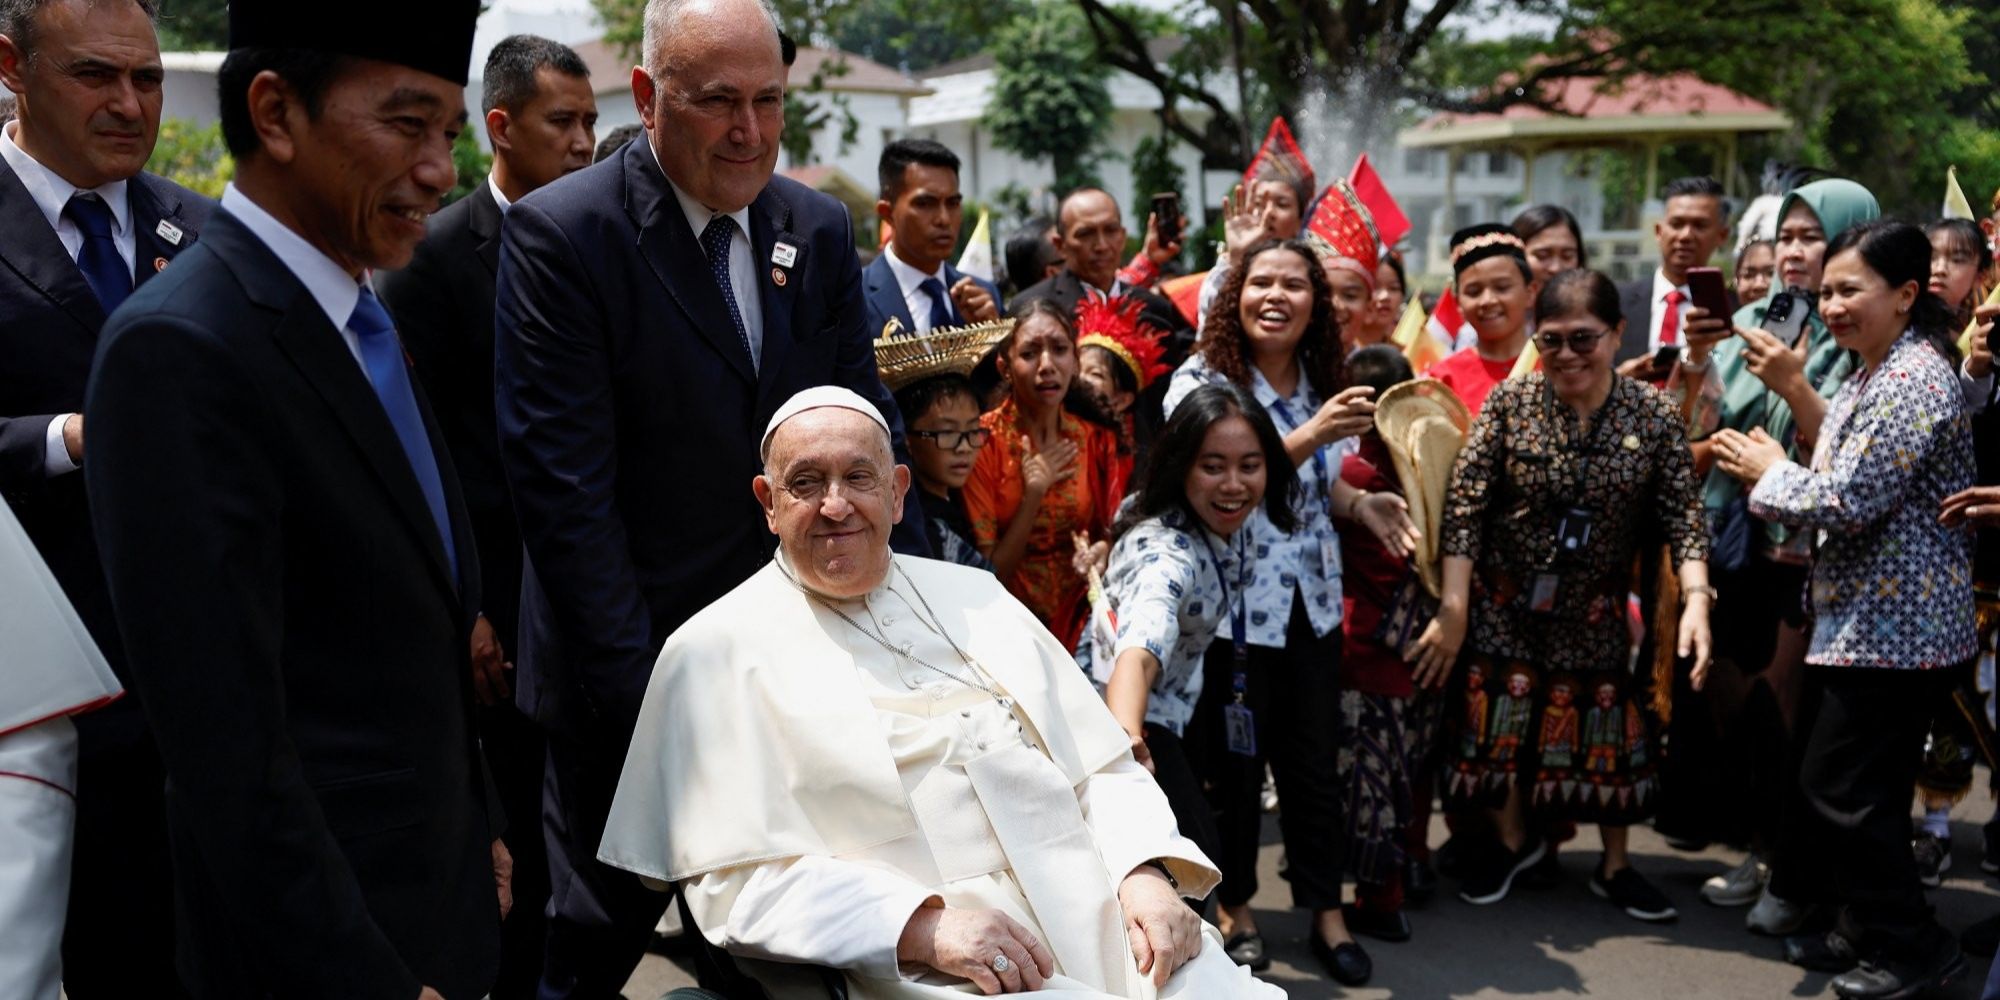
[[288, 555]]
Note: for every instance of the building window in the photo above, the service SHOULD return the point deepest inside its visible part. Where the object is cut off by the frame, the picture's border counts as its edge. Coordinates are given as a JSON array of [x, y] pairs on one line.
[[1499, 164], [1417, 162]]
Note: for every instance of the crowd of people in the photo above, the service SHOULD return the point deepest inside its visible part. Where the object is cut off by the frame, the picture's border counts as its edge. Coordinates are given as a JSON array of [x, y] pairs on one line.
[[435, 548]]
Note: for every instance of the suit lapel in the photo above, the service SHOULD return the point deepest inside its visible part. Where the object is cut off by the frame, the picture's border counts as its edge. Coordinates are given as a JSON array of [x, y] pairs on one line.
[[33, 251], [674, 253], [150, 249], [317, 349], [886, 294], [483, 220], [770, 222]]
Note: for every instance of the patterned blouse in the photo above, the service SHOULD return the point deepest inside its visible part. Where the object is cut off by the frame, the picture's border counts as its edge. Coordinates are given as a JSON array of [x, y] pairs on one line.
[[1087, 501], [1307, 561], [1890, 586], [1169, 584], [1525, 468]]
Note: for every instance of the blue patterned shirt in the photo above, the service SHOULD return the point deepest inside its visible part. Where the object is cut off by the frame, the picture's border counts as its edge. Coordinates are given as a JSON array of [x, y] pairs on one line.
[[1166, 583], [1307, 561], [1890, 586]]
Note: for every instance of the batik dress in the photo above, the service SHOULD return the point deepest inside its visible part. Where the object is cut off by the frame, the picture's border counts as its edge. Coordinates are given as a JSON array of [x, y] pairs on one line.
[[1046, 581], [1544, 694]]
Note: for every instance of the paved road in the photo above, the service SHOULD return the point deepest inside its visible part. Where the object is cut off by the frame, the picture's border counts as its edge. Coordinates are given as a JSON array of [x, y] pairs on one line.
[[1565, 942]]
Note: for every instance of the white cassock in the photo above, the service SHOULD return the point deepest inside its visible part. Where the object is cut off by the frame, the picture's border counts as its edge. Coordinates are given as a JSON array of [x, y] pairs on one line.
[[49, 670], [811, 789]]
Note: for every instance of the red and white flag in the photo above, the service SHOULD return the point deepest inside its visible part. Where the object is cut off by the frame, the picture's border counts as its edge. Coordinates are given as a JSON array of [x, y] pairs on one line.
[[1446, 324]]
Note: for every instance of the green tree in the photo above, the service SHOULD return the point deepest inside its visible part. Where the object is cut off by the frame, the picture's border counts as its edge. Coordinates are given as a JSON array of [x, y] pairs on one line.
[[192, 156], [194, 25], [915, 35], [472, 162], [1049, 97]]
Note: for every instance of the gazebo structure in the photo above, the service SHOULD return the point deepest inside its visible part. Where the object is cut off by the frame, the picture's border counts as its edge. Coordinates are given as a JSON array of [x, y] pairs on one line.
[[1642, 112]]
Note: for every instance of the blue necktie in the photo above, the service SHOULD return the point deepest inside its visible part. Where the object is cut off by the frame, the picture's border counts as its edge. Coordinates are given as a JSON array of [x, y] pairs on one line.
[[715, 242], [940, 307], [382, 356], [98, 258]]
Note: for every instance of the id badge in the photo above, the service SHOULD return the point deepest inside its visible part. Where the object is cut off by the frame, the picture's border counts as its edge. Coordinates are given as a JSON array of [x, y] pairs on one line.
[[1241, 729], [1329, 558], [1542, 594]]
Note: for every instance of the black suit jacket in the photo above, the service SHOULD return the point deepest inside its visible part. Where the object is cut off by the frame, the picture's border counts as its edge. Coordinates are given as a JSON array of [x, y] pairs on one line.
[[299, 638], [1635, 300], [885, 295], [630, 416], [443, 306], [49, 325]]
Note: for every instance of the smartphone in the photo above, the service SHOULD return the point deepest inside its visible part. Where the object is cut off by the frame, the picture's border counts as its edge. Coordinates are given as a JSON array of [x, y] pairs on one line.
[[1786, 315], [1706, 288], [1167, 216]]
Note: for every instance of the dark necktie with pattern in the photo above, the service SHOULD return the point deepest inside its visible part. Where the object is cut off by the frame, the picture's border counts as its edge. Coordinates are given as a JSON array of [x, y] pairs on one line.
[[103, 269], [715, 242], [940, 306]]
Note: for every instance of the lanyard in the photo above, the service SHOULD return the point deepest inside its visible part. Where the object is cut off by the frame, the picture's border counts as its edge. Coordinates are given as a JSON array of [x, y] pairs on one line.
[[1288, 425], [1240, 646]]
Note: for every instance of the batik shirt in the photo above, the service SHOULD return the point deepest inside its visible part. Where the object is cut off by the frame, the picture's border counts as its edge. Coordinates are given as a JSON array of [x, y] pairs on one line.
[[1307, 561], [1890, 586], [1528, 463], [1169, 584]]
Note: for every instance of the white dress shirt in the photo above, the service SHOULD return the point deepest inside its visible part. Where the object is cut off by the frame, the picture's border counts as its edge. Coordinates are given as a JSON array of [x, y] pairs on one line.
[[742, 261], [910, 280], [330, 285], [499, 196], [51, 194], [1661, 286]]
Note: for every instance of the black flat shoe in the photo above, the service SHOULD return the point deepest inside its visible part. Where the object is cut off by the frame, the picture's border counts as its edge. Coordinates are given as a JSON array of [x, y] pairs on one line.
[[1247, 950], [1420, 883], [1896, 980], [1392, 927], [1346, 963], [1828, 952]]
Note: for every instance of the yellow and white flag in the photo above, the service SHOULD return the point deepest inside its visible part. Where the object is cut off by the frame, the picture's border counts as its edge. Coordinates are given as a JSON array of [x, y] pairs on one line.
[[1955, 205], [977, 260]]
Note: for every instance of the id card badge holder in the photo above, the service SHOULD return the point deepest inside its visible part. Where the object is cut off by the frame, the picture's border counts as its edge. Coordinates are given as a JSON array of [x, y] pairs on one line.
[[1238, 722], [1542, 593], [1329, 557]]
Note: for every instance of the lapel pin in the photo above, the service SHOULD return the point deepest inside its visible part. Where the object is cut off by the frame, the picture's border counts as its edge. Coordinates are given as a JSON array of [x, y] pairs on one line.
[[169, 232], [159, 264], [784, 255], [778, 276]]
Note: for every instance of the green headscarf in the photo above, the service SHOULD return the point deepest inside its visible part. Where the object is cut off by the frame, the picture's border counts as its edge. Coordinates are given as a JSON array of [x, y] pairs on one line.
[[1746, 402]]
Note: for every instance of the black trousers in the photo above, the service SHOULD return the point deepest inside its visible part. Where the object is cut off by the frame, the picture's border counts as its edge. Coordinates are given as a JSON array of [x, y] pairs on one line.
[[1846, 834], [118, 940], [1177, 779], [1294, 696], [599, 918], [517, 759]]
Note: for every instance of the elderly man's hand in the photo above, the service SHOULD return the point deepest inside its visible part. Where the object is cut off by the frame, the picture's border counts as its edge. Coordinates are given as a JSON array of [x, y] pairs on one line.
[[489, 664], [966, 943], [1161, 929]]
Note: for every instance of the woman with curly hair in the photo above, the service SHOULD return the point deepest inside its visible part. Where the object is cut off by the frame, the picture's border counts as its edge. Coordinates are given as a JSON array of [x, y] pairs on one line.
[[1270, 692]]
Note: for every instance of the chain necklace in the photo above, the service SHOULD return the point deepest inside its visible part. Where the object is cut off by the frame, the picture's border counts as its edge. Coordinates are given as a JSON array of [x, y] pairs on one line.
[[935, 625]]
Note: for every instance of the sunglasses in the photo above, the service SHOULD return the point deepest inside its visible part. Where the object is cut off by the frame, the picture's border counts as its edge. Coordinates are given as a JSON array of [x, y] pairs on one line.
[[1581, 342]]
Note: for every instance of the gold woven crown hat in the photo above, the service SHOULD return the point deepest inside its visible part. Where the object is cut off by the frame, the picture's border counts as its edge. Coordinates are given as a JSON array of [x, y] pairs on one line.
[[904, 359], [1424, 424]]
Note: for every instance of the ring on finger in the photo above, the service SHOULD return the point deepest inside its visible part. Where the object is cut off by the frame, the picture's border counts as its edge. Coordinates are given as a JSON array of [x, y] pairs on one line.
[[1002, 964]]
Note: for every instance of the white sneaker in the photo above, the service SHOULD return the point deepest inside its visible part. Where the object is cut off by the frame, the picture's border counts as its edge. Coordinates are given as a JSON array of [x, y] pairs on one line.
[[1775, 917], [1741, 886]]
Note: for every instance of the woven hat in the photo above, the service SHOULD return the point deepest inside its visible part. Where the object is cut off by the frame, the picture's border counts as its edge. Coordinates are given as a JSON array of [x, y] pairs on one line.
[[1343, 233], [951, 350], [1424, 424]]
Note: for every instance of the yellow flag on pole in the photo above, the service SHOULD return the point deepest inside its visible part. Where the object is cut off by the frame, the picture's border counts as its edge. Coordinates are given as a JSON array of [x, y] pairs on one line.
[[1955, 205], [977, 260], [1965, 339], [1413, 335], [1530, 359]]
